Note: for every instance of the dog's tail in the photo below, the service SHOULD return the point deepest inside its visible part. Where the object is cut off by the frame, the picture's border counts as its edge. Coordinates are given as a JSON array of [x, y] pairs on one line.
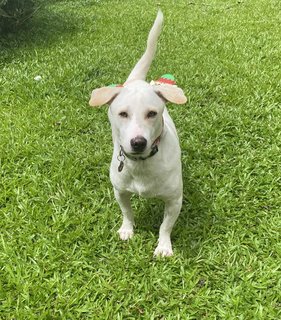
[[141, 68]]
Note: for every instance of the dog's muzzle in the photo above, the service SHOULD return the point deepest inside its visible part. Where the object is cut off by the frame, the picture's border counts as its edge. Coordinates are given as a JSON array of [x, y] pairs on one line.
[[123, 155]]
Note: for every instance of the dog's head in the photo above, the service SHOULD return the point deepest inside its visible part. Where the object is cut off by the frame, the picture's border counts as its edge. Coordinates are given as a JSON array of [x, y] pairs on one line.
[[136, 112]]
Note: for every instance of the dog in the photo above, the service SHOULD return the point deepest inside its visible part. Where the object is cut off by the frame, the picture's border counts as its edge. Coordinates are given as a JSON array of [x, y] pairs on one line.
[[147, 157]]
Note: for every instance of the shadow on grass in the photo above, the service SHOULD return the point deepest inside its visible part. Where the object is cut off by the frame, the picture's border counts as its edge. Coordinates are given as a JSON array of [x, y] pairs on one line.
[[44, 28], [195, 220], [193, 224]]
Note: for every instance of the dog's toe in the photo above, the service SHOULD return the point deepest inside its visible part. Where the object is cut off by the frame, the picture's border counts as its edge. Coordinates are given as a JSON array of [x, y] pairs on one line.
[[125, 234], [163, 251]]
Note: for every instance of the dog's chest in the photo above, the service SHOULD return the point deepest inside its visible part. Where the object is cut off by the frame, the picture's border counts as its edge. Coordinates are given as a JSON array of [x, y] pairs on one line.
[[139, 179], [144, 186]]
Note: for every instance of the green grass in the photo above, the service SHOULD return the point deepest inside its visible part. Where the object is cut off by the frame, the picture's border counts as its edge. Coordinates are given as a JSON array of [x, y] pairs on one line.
[[60, 256]]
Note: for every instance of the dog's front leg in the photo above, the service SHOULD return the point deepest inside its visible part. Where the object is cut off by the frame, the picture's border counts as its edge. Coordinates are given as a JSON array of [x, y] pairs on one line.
[[127, 228], [171, 213]]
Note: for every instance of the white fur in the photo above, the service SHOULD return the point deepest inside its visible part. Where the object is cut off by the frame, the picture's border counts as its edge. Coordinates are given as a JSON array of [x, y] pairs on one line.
[[158, 176]]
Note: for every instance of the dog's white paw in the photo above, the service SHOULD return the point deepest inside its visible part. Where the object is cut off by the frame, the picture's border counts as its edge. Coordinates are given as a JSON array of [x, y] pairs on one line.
[[125, 233], [163, 250]]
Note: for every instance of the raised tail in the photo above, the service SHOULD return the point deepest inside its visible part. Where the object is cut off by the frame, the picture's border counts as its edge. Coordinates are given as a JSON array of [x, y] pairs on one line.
[[141, 68]]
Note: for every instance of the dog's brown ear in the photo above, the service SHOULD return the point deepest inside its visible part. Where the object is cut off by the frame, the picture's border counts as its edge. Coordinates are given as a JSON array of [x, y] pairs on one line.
[[171, 93], [103, 95]]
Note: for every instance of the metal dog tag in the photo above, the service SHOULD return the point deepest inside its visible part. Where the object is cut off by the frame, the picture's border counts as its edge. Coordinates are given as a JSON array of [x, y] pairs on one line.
[[121, 166], [121, 159]]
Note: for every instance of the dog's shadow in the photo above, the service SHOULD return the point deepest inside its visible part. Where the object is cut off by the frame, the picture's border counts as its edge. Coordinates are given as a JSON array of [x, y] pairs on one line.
[[195, 220], [193, 224]]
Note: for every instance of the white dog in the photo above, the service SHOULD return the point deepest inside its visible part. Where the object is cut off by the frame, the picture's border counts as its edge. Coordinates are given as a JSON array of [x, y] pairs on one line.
[[146, 158]]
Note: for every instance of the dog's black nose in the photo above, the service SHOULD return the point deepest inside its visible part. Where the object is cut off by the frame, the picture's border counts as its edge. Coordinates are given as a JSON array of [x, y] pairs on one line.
[[138, 144]]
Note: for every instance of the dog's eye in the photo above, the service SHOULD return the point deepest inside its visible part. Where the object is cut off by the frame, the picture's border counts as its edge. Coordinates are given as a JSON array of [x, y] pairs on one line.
[[123, 114], [151, 114]]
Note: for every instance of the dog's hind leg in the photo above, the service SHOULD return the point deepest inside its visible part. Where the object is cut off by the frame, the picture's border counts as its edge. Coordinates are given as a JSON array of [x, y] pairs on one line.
[[171, 213], [127, 228]]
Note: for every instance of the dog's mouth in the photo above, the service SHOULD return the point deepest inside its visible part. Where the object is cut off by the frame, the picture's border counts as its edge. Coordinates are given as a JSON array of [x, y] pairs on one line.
[[137, 153], [141, 153], [134, 153]]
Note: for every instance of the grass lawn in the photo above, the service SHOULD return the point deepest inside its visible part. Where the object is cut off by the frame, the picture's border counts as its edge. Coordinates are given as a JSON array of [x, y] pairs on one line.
[[60, 256]]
